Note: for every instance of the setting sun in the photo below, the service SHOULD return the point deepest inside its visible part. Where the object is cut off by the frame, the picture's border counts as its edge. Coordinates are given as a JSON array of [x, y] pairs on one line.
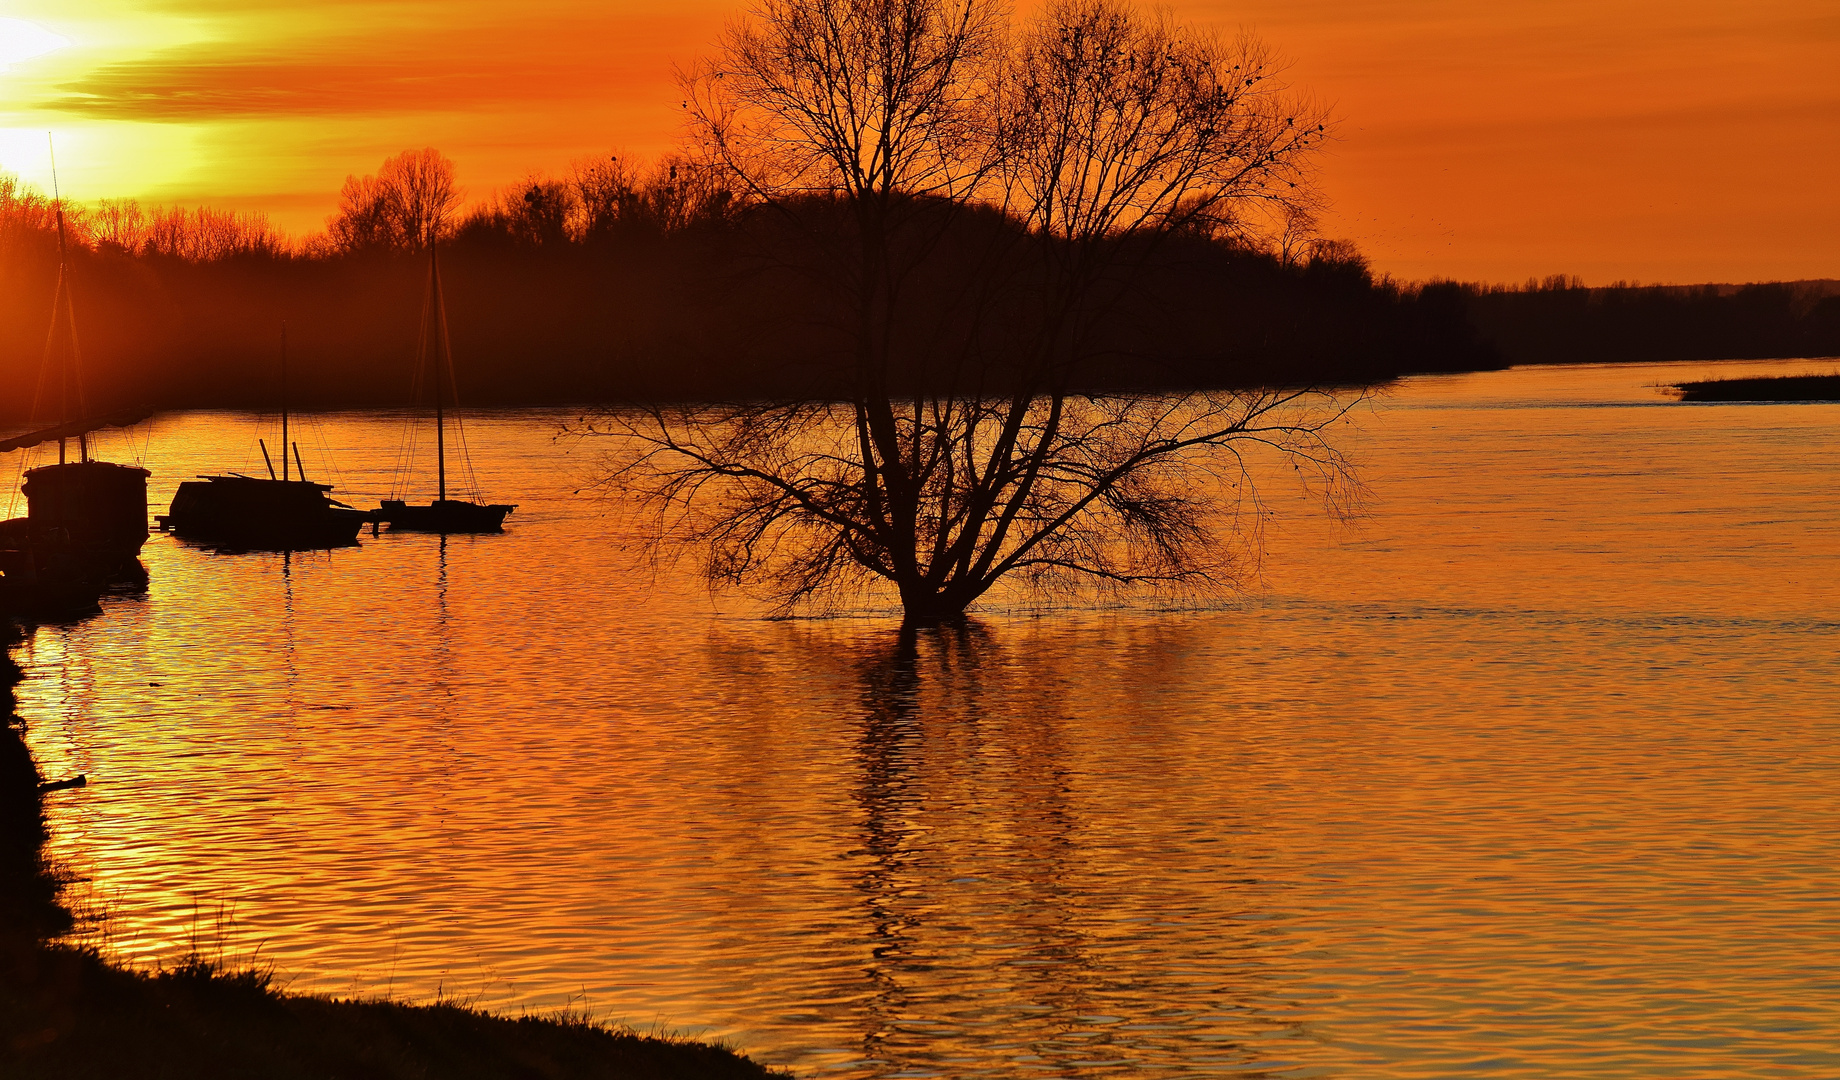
[[21, 40]]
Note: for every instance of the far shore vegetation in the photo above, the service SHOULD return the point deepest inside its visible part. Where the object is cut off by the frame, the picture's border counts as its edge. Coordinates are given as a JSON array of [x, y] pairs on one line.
[[1810, 387], [625, 281]]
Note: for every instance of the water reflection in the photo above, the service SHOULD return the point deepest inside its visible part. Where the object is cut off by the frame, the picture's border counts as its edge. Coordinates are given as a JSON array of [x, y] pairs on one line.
[[995, 877], [1016, 830], [290, 657], [887, 800], [1534, 770]]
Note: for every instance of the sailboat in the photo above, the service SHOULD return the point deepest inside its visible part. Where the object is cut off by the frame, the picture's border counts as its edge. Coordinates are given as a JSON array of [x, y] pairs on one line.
[[86, 519], [434, 350], [285, 513]]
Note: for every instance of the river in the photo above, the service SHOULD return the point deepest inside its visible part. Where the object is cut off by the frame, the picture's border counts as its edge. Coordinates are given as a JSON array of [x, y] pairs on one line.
[[1530, 770]]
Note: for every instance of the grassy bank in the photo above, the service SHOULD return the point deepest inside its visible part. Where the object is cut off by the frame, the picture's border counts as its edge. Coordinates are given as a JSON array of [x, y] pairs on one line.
[[1770, 388], [65, 1012]]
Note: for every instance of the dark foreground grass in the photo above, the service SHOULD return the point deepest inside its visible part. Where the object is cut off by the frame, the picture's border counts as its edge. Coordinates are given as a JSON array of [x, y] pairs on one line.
[[1768, 388], [66, 1014]]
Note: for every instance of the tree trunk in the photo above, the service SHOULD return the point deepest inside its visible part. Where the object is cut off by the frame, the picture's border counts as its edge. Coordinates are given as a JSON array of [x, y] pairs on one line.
[[922, 605]]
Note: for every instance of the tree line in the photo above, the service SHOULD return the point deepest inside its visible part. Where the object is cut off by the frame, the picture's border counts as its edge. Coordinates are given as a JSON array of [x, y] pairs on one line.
[[1559, 320], [621, 280], [608, 275], [411, 197]]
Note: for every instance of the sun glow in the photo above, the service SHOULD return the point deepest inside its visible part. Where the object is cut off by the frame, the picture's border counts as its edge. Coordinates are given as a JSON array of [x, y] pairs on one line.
[[21, 40]]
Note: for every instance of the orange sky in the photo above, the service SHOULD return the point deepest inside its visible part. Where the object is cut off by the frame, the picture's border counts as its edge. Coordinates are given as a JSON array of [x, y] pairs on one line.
[[1692, 140]]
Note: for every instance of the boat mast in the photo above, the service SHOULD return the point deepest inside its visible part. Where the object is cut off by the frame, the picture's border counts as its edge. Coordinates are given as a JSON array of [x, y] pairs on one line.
[[63, 295], [439, 353], [284, 403]]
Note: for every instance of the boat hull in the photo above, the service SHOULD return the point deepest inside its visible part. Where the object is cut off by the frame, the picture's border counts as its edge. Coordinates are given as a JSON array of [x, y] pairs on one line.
[[45, 575], [249, 514], [92, 511], [445, 516]]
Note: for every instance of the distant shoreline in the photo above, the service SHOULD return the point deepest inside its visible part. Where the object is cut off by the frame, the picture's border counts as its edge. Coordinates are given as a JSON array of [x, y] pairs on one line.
[[11, 425]]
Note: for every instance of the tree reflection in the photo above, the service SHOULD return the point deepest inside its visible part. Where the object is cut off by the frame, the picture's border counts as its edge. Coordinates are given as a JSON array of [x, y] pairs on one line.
[[995, 906]]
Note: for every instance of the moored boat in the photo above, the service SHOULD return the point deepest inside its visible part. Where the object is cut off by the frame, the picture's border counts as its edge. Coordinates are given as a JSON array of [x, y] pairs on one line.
[[250, 513], [434, 352], [82, 534], [86, 519], [445, 516]]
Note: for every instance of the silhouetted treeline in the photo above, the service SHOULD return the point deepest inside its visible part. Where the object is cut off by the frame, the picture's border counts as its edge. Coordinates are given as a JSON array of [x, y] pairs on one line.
[[624, 283], [619, 285], [1558, 321]]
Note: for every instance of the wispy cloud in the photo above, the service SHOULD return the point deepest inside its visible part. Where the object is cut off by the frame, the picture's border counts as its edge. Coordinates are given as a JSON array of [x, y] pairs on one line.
[[399, 70], [202, 83]]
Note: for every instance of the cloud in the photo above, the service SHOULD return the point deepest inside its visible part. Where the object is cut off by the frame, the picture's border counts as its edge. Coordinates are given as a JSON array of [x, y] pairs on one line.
[[455, 70], [195, 84]]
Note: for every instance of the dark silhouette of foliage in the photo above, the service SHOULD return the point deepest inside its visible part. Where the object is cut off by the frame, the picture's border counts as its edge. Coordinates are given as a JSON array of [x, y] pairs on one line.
[[1769, 388], [676, 289], [407, 205], [1558, 320]]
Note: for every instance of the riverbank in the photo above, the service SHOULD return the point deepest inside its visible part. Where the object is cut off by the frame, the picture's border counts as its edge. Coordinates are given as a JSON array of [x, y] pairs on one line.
[[66, 1012]]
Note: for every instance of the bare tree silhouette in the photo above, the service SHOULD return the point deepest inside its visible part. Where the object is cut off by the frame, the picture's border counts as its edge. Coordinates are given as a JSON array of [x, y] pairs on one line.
[[408, 204], [878, 129]]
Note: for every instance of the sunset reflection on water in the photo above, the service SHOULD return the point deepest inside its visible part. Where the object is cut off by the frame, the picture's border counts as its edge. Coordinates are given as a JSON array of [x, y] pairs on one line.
[[1531, 770]]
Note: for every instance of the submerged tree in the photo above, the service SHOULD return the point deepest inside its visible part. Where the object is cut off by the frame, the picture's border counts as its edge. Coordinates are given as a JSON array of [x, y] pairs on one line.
[[965, 439]]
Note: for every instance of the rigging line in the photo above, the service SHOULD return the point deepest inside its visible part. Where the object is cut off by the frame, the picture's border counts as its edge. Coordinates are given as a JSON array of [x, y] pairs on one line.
[[443, 357], [252, 445], [425, 348], [73, 371], [403, 434], [472, 476], [44, 362], [304, 426], [408, 444], [58, 299], [405, 439], [409, 448], [453, 387], [411, 451], [466, 459], [466, 455], [396, 466], [323, 446], [405, 453]]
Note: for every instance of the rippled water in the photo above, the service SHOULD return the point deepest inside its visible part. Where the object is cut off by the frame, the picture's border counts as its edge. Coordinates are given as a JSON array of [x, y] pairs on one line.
[[1532, 772]]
